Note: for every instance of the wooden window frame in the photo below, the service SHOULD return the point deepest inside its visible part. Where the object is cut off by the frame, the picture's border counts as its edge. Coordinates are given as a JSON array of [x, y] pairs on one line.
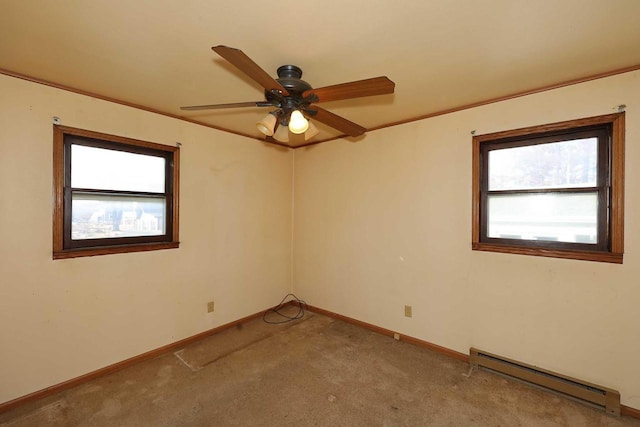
[[612, 249], [63, 246]]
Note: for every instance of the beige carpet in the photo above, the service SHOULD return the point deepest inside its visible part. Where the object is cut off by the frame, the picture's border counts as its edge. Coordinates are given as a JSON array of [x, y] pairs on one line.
[[316, 371]]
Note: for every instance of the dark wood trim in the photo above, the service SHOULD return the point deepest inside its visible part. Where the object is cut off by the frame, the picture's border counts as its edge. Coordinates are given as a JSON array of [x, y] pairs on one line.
[[309, 144], [570, 190], [108, 250], [624, 410], [615, 258], [175, 236], [113, 138], [401, 122], [617, 184], [629, 411], [411, 340], [128, 104], [475, 196], [57, 388], [443, 350], [65, 385], [58, 189], [612, 254], [492, 101], [62, 245], [123, 193], [551, 127], [513, 95]]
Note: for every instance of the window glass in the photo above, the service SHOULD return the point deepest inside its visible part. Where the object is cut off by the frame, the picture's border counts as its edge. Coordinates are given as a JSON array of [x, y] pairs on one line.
[[105, 169], [553, 190], [112, 194], [104, 216], [571, 163], [555, 217]]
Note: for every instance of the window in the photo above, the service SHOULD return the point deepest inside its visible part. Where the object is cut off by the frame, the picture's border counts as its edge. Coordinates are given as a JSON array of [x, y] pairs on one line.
[[112, 194], [554, 190]]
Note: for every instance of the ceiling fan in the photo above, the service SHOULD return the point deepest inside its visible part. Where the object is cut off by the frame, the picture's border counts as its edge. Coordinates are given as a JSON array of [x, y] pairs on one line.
[[293, 99]]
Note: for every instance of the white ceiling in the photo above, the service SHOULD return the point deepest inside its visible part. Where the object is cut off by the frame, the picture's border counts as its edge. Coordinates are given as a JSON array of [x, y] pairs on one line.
[[441, 54]]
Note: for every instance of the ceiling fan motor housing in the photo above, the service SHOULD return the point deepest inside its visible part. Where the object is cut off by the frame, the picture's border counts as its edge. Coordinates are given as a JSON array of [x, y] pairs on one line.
[[289, 92], [289, 76]]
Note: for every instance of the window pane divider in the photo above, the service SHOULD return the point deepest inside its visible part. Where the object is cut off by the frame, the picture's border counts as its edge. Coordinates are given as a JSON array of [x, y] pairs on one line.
[[610, 131], [545, 191], [117, 193], [63, 244]]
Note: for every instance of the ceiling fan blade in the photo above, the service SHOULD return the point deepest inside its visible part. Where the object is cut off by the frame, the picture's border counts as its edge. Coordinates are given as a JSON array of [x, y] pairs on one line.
[[231, 105], [245, 64], [337, 122], [369, 87]]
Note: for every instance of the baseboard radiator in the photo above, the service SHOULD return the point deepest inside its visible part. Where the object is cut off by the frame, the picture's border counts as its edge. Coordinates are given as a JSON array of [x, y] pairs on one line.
[[603, 397]]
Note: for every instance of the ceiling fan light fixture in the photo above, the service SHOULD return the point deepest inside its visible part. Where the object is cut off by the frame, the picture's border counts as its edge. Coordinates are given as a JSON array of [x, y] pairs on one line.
[[281, 134], [293, 96], [268, 123], [311, 132], [297, 123]]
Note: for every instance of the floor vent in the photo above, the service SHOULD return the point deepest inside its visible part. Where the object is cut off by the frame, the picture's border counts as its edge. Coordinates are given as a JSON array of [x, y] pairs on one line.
[[603, 397]]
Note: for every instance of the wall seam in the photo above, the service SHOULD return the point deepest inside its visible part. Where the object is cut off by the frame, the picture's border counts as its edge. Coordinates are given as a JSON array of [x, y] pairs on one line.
[[293, 219]]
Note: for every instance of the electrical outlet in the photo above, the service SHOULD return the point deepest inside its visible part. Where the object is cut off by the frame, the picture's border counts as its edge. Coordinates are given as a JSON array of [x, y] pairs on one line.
[[407, 311], [396, 336], [210, 307]]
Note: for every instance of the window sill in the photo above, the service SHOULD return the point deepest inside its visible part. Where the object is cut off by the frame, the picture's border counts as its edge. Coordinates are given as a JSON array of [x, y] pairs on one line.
[[611, 257], [107, 250]]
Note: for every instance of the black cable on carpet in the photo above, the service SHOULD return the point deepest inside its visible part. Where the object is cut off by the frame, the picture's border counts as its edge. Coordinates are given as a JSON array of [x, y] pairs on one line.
[[284, 318]]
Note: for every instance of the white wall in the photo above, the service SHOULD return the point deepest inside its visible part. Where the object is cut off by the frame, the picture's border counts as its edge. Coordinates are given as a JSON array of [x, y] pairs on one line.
[[386, 221], [379, 223], [61, 319]]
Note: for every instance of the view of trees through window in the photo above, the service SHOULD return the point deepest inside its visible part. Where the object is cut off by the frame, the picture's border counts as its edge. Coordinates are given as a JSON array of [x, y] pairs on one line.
[[96, 215], [571, 163], [552, 190], [549, 216], [113, 194]]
